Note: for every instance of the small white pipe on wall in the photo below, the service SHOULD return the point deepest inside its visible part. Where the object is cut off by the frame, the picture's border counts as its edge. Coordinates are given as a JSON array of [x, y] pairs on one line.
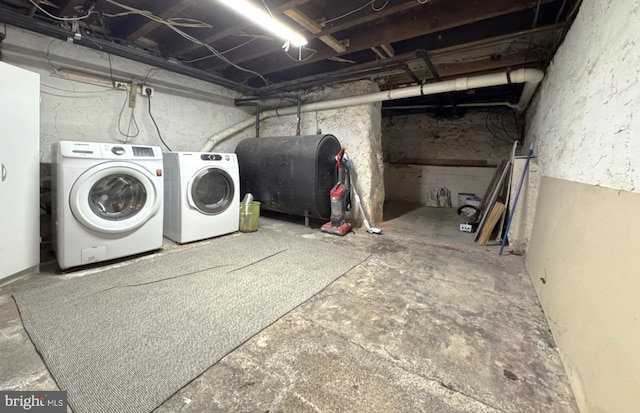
[[530, 77]]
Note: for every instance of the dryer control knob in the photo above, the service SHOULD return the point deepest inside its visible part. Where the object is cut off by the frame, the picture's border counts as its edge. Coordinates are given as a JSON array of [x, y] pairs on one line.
[[118, 150]]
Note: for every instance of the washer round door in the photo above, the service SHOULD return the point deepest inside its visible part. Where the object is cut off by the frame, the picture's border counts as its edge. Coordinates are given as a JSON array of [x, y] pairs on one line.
[[211, 191], [115, 197]]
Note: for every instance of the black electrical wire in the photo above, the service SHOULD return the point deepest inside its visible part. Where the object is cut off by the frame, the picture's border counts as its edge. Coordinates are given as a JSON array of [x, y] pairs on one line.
[[492, 126], [156, 125]]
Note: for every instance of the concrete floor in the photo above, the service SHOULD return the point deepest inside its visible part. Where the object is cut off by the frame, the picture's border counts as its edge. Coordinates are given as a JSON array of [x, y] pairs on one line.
[[431, 322]]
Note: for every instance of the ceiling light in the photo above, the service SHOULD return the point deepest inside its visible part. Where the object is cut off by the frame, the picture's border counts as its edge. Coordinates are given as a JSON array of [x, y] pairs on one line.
[[263, 19]]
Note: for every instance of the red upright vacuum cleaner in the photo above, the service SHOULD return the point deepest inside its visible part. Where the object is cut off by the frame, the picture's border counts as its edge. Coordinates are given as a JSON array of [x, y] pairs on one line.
[[340, 200]]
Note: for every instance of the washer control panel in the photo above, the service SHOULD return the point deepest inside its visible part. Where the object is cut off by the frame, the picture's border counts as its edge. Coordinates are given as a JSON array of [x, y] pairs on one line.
[[210, 157]]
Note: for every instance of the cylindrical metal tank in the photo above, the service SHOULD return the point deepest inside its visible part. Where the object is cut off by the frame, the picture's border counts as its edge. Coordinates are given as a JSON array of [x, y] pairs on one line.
[[290, 174]]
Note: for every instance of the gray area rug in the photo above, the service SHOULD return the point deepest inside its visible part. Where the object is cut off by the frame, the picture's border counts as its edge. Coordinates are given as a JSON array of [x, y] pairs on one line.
[[127, 338]]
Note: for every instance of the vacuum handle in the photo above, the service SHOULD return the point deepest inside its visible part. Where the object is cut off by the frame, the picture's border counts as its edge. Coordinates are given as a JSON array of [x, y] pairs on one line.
[[339, 159]]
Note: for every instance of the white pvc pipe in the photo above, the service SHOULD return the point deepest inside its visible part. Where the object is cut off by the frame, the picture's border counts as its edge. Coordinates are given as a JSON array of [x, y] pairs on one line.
[[530, 77], [459, 105]]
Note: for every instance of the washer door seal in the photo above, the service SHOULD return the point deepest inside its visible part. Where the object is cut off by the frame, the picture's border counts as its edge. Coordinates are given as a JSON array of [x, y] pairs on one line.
[[210, 191], [115, 197]]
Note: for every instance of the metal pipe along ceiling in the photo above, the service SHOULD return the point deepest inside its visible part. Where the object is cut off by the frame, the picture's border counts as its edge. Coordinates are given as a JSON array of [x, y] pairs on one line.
[[530, 77]]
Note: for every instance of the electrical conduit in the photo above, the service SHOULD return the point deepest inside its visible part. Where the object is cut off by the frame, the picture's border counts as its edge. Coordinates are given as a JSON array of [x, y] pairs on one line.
[[530, 77]]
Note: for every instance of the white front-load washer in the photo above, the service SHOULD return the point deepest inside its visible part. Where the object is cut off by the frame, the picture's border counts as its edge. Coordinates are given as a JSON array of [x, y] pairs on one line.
[[202, 198], [107, 201]]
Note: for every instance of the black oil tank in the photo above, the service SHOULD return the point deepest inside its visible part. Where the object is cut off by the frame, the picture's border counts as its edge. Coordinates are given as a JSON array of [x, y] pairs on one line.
[[290, 174]]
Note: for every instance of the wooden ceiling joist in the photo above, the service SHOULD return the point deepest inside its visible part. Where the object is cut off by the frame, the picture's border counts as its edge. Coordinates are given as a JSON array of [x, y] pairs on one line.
[[182, 49], [388, 49], [422, 21], [134, 33], [374, 40], [314, 28], [378, 53], [69, 8], [260, 51], [445, 71], [445, 53]]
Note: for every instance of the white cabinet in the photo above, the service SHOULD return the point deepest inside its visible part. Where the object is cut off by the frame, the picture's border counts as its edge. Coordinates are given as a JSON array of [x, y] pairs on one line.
[[20, 170]]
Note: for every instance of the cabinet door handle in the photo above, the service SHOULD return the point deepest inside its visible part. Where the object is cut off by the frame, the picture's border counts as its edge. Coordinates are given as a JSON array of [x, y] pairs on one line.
[[4, 173]]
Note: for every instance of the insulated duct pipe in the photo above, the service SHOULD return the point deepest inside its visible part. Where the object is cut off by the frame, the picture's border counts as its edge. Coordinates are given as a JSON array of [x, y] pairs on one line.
[[530, 77]]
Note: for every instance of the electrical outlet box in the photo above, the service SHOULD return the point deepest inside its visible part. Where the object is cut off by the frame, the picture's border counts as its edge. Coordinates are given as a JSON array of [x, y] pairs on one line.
[[147, 90], [132, 98], [120, 85], [466, 227]]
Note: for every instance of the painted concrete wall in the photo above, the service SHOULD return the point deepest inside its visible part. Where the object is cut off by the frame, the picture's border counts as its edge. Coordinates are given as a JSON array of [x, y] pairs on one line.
[[584, 125], [411, 140], [420, 184], [583, 263]]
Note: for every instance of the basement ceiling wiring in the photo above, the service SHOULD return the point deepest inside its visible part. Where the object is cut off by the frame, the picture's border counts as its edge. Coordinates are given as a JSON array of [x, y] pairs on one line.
[[173, 24], [149, 37], [216, 53], [222, 53], [371, 3], [65, 19], [178, 21]]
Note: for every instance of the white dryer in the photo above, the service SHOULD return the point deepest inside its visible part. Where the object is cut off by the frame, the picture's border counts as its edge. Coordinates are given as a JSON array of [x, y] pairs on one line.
[[107, 201], [202, 195]]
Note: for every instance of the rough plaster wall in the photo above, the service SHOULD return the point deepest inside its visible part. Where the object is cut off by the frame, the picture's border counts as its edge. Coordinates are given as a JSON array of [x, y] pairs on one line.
[[409, 140], [186, 110], [584, 121], [424, 136], [358, 129]]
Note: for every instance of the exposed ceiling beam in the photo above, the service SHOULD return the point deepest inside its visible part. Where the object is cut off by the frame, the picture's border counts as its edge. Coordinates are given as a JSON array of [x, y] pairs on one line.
[[411, 74], [22, 21], [68, 9], [451, 70], [422, 21], [182, 49], [378, 53], [34, 8], [424, 55], [366, 16], [529, 34], [314, 28], [388, 49], [391, 64], [256, 51]]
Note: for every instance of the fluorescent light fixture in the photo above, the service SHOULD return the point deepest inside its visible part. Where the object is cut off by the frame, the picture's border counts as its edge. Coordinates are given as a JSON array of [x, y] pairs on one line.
[[263, 19]]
